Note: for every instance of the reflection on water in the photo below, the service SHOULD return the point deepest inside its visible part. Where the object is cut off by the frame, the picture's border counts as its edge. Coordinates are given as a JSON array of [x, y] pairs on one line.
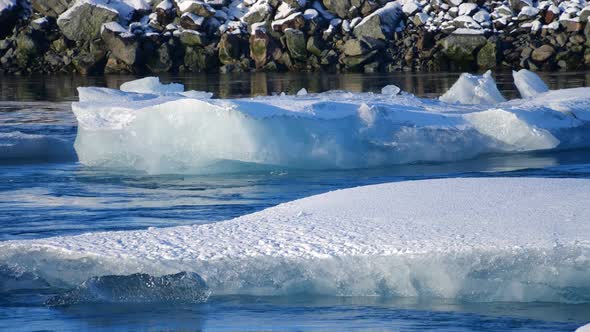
[[246, 313], [60, 88]]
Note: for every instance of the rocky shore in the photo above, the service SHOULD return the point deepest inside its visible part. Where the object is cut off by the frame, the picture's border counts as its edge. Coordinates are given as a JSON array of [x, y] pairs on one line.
[[143, 36]]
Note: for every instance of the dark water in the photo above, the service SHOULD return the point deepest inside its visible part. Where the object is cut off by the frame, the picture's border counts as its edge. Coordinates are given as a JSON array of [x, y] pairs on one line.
[[45, 192], [63, 88]]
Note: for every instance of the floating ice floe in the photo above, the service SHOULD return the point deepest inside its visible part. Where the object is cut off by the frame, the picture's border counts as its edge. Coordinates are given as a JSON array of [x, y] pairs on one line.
[[473, 89], [160, 128], [476, 239]]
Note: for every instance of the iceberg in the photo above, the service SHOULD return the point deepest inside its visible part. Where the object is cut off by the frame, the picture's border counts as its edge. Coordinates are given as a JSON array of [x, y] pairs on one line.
[[407, 239], [159, 128]]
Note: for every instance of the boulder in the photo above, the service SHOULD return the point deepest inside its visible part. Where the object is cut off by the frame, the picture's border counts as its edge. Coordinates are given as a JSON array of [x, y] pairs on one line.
[[543, 53], [232, 47], [159, 60], [116, 66], [90, 62], [339, 7], [165, 12], [486, 57], [123, 45], [354, 47], [191, 21], [259, 45], [26, 48], [51, 8], [380, 24], [259, 12], [192, 38], [295, 40], [84, 20], [354, 62], [196, 7], [9, 12], [517, 5], [315, 45], [571, 25], [293, 21], [585, 14], [461, 48], [199, 59]]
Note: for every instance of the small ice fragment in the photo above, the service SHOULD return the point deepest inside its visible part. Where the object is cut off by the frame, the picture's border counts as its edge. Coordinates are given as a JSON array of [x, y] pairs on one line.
[[528, 83], [151, 85], [302, 92], [390, 90], [585, 328], [474, 89]]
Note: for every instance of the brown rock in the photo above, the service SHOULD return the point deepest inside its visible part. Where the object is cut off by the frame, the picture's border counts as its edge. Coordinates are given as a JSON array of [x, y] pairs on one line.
[[543, 53]]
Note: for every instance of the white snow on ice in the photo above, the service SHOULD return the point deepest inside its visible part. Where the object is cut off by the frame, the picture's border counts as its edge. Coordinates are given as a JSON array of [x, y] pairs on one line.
[[528, 83], [473, 89], [158, 128], [479, 239]]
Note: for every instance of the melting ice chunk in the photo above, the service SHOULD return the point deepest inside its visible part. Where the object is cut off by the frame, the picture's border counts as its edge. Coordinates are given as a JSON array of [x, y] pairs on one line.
[[151, 85], [528, 83], [474, 89], [183, 287], [302, 92], [390, 90]]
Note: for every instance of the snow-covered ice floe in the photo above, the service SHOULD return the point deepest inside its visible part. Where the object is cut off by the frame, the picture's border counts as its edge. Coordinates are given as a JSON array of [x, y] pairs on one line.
[[474, 239], [160, 128]]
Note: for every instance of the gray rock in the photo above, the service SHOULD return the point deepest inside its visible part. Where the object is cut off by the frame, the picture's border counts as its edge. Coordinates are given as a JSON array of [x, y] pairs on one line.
[[293, 21], [381, 24], [191, 21], [51, 8], [116, 66], [122, 44], [258, 13], [354, 62], [486, 57], [199, 59], [83, 22], [315, 45], [517, 5], [295, 40], [461, 48], [259, 44], [89, 62], [192, 38], [354, 47], [339, 7], [26, 48], [197, 7], [159, 61], [232, 47]]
